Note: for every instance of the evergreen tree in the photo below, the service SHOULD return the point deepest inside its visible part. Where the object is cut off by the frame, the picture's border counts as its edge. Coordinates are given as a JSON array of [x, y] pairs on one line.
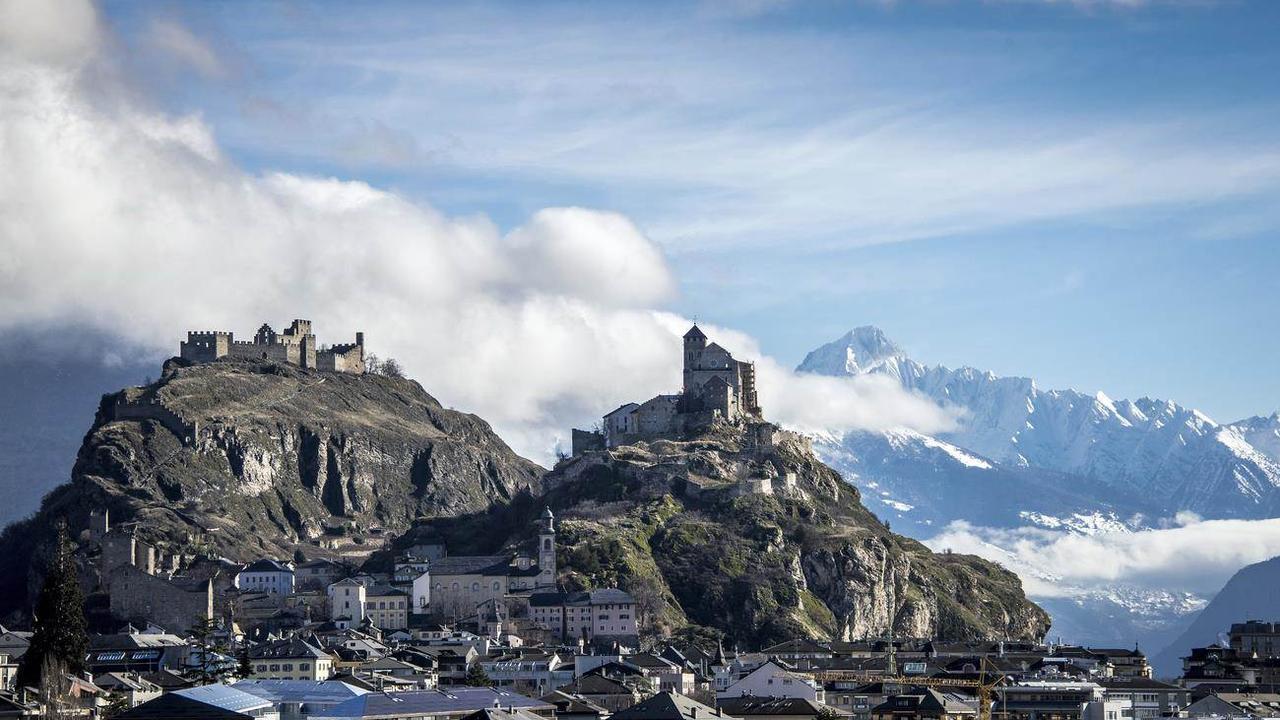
[[61, 637], [477, 677], [202, 635], [246, 665]]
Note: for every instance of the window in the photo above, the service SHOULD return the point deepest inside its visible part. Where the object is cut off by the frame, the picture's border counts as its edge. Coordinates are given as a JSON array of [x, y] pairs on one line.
[[304, 666], [287, 667], [475, 587], [275, 668]]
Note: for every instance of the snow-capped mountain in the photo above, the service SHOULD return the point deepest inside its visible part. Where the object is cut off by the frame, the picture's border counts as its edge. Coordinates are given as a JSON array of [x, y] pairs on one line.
[[1060, 461], [1153, 457]]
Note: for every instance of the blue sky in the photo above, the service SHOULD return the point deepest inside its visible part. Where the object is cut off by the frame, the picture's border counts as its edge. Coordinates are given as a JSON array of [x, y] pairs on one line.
[[1083, 192]]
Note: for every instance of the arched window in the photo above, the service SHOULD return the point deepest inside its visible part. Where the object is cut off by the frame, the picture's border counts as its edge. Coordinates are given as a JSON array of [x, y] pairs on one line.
[[475, 587], [546, 544]]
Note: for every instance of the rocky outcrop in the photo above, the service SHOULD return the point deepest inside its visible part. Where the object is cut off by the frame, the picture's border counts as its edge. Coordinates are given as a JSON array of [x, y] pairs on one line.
[[243, 460], [720, 535]]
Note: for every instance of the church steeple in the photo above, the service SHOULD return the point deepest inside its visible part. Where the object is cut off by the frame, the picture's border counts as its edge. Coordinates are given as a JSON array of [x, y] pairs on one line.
[[547, 549]]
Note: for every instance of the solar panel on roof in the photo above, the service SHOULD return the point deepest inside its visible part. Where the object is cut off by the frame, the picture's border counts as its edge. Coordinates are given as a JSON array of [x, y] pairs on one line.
[[223, 696]]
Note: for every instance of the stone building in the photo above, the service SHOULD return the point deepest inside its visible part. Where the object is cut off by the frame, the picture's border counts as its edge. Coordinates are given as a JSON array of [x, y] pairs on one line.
[[716, 387], [607, 613], [457, 585], [295, 345], [173, 604]]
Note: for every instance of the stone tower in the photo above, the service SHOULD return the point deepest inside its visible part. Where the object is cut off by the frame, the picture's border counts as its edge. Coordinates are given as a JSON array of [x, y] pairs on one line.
[[547, 549], [694, 343]]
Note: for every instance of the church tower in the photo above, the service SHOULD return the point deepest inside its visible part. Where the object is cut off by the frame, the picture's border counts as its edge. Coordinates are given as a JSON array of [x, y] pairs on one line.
[[547, 549], [694, 343]]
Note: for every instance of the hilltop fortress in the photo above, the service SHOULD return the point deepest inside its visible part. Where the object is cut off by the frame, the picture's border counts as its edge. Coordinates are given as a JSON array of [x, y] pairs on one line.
[[717, 388], [295, 345]]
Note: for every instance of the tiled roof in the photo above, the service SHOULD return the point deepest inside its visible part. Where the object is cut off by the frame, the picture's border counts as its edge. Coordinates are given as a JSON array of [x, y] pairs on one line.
[[667, 706], [471, 565], [267, 565], [291, 648], [749, 705]]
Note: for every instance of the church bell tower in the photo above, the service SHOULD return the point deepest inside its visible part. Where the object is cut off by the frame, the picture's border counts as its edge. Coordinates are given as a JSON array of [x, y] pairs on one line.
[[547, 549]]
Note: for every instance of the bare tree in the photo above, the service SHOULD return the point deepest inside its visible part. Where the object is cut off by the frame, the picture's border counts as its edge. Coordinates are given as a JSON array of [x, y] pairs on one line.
[[391, 368]]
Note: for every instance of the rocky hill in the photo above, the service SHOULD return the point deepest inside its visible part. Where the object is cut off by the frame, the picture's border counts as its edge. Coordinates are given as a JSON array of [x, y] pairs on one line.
[[761, 543], [243, 460]]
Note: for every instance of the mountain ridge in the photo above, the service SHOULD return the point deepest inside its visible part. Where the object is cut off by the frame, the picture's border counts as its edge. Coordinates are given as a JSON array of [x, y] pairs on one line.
[[1213, 469]]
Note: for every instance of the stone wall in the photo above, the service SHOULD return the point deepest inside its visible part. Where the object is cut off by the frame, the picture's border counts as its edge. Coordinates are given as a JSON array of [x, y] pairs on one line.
[[151, 408], [586, 440], [135, 595]]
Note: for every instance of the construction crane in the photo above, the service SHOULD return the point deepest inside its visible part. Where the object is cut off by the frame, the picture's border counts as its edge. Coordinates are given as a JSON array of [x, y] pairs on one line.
[[982, 685]]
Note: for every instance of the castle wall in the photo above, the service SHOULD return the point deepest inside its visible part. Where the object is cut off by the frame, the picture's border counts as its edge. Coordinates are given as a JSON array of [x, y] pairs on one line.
[[153, 409], [279, 352], [586, 441], [341, 358], [205, 346], [296, 345], [117, 550], [137, 595], [657, 416]]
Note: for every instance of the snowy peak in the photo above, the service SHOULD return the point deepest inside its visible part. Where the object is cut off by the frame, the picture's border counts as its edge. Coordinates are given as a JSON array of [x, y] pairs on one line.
[[861, 350], [1173, 457]]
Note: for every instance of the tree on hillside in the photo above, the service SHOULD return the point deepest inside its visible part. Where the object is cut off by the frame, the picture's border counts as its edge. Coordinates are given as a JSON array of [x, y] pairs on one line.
[[60, 639], [391, 368]]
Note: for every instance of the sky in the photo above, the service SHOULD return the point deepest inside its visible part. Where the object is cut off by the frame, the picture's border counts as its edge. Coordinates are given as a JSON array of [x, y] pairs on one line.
[[1082, 192]]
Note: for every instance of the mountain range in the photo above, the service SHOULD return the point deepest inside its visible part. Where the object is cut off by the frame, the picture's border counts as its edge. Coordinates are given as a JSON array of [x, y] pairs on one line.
[[1060, 460], [1153, 458]]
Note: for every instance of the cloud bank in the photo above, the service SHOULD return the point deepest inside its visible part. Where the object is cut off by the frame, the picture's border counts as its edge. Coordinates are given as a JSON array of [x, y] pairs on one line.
[[119, 219], [1194, 555]]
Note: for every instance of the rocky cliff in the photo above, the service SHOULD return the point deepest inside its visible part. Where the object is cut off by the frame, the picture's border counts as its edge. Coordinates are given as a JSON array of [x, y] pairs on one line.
[[244, 460], [760, 542]]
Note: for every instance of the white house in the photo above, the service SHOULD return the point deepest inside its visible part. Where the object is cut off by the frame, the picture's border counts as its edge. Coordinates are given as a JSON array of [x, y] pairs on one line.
[[773, 679], [346, 601], [421, 593], [266, 576]]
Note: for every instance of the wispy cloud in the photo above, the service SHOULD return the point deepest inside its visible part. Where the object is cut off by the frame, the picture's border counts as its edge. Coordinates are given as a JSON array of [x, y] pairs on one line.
[[714, 135], [180, 44]]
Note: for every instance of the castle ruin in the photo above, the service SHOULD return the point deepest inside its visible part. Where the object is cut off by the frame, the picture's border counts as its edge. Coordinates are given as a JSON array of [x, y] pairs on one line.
[[716, 388], [296, 345]]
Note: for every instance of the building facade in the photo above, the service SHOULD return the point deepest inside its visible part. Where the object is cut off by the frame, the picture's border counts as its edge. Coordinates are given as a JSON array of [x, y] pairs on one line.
[[266, 576]]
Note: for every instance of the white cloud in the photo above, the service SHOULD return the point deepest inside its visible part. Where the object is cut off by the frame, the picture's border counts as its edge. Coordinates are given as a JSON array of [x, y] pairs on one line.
[[121, 220], [59, 32], [181, 44], [1191, 554]]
